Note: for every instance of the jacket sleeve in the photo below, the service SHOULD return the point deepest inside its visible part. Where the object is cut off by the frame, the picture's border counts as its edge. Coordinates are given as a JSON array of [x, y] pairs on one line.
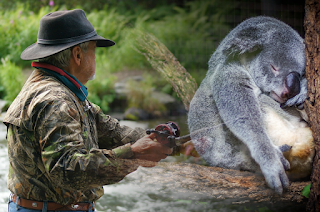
[[111, 134], [70, 161]]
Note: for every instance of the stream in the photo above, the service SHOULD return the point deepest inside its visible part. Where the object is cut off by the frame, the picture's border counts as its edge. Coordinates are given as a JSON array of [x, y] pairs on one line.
[[136, 195]]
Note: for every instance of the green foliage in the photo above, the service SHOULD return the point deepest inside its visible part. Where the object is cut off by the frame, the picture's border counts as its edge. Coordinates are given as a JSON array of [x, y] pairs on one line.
[[117, 27], [139, 95], [2, 90], [306, 191], [101, 90], [192, 33], [123, 6], [11, 79], [19, 29], [189, 32], [132, 117]]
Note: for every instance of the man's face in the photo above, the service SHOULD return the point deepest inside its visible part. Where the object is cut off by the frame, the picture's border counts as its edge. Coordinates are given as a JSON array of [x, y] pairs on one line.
[[89, 63]]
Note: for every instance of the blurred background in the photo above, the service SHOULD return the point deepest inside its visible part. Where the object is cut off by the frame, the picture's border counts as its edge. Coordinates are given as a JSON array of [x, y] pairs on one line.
[[190, 29], [128, 87]]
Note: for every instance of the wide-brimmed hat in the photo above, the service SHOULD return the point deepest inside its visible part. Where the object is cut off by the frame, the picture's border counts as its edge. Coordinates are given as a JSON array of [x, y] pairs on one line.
[[60, 30]]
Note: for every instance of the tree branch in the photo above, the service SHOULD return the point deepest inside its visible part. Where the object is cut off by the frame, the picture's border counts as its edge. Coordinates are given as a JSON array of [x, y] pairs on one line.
[[219, 183]]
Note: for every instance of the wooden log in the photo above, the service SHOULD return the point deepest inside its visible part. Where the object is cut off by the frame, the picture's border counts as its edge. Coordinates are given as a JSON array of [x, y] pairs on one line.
[[218, 183]]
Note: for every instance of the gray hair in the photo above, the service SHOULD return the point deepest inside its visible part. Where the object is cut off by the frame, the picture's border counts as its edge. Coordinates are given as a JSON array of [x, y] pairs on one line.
[[62, 59]]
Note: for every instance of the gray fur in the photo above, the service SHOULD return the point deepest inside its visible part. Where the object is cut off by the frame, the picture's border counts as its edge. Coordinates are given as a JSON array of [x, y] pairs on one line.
[[226, 116]]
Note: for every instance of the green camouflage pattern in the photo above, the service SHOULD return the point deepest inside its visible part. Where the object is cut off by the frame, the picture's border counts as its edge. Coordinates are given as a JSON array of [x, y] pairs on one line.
[[57, 151]]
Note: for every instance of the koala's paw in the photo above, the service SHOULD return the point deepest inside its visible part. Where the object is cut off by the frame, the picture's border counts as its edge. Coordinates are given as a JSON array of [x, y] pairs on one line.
[[299, 99], [285, 148], [274, 173]]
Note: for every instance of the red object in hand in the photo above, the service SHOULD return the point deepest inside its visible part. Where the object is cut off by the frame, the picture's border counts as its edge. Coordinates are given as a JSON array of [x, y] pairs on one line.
[[163, 131]]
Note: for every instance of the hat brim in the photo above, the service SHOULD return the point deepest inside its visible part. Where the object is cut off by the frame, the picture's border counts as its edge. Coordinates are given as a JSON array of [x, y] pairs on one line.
[[38, 51]]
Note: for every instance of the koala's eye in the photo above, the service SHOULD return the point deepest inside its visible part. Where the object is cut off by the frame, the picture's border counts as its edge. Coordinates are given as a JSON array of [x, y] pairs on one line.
[[275, 71]]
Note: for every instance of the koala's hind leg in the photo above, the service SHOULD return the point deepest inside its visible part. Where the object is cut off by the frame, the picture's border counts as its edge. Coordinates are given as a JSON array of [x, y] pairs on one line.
[[213, 147]]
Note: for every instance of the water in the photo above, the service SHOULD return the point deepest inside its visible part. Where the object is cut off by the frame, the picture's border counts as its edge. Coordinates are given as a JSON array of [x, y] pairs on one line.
[[4, 192], [138, 192]]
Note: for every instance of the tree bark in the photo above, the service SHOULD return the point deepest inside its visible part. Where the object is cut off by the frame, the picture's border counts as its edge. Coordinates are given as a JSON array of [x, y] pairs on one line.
[[312, 41], [240, 187]]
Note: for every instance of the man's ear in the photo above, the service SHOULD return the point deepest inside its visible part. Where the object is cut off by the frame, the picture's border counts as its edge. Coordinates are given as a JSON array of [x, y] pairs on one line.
[[76, 55]]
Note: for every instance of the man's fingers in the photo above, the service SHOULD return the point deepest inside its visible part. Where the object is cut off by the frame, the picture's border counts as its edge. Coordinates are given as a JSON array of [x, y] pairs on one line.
[[164, 149], [148, 148], [152, 136], [167, 150]]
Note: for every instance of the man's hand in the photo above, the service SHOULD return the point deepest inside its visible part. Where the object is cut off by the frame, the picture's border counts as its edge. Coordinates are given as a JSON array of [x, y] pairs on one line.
[[147, 148]]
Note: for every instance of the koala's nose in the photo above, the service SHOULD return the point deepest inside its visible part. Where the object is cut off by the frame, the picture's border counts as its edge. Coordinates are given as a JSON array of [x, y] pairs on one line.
[[292, 85]]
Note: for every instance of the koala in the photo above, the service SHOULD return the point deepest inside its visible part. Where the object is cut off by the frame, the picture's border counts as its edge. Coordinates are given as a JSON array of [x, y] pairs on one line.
[[256, 71]]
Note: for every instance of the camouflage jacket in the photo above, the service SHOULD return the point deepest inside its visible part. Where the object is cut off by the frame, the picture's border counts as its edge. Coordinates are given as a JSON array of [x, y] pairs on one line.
[[57, 151]]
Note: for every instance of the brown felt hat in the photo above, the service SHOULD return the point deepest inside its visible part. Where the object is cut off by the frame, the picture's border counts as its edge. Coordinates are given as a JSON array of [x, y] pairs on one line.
[[60, 30]]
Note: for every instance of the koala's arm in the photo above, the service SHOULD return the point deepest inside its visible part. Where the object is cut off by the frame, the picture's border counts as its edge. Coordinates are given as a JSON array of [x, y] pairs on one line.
[[236, 98]]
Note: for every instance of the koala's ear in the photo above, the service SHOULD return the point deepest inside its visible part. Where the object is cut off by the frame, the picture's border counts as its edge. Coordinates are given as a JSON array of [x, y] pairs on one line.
[[247, 40]]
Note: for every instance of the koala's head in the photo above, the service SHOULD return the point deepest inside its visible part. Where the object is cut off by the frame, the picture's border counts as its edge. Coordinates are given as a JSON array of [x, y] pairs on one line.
[[279, 69], [275, 57]]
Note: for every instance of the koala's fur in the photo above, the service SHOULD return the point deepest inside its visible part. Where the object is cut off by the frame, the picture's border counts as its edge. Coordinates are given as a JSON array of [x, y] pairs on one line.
[[233, 114], [288, 126]]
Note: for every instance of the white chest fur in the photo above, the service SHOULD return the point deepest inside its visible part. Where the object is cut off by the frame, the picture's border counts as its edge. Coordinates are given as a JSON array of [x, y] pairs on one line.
[[295, 132]]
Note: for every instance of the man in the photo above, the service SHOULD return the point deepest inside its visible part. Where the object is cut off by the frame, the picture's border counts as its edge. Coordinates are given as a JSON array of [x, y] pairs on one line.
[[62, 148]]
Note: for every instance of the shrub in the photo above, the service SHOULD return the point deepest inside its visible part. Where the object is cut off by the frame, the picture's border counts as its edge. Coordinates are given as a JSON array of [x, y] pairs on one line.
[[19, 30], [101, 90], [117, 27], [190, 33], [139, 95], [11, 79]]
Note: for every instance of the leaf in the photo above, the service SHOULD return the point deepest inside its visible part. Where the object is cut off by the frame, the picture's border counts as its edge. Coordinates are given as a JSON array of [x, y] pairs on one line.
[[306, 191]]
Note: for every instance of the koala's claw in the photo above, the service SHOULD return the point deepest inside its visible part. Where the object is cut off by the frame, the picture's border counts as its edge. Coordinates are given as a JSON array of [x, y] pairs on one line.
[[284, 161], [299, 103], [300, 106], [284, 182], [277, 180]]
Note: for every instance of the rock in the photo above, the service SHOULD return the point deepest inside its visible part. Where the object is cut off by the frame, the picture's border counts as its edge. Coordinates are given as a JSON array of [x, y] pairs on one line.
[[133, 124], [163, 98], [135, 114], [173, 106], [121, 87]]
